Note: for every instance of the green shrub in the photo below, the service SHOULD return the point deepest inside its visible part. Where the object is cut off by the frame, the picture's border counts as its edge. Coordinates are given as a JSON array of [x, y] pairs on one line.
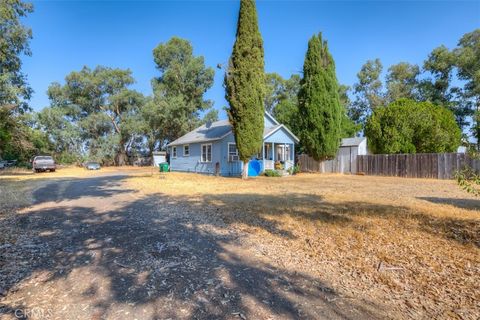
[[407, 126], [272, 173], [468, 179], [294, 170]]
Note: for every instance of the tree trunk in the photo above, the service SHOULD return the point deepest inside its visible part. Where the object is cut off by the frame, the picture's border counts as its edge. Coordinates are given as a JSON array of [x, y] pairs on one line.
[[151, 148], [121, 157], [477, 125], [245, 170]]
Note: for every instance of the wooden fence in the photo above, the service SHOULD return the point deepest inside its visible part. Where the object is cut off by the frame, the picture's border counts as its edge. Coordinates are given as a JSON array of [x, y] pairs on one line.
[[420, 165], [343, 163]]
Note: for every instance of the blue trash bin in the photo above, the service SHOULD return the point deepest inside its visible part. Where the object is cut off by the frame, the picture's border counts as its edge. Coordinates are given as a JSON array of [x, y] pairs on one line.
[[254, 168]]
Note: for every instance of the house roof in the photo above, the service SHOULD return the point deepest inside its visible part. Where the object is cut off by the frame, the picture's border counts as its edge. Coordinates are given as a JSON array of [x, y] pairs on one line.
[[220, 129], [217, 130], [352, 142]]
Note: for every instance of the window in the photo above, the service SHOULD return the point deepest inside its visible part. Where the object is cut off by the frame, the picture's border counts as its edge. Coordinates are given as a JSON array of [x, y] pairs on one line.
[[206, 153], [186, 150], [232, 152], [283, 152], [268, 151], [174, 152]]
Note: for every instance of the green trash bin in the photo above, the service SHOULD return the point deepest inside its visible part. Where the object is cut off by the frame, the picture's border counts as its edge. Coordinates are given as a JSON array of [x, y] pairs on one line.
[[163, 167]]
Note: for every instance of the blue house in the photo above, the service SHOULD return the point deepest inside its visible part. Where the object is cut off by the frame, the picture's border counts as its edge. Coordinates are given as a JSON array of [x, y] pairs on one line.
[[211, 149]]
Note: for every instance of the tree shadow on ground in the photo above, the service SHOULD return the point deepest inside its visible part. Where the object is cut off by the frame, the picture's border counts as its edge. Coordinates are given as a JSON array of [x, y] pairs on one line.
[[472, 204], [156, 257], [71, 189]]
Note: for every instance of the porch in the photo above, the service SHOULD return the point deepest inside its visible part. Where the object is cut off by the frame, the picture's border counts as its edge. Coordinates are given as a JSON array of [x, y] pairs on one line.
[[281, 152]]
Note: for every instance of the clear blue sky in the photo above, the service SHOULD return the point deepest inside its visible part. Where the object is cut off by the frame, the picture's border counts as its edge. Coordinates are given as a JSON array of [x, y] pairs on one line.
[[68, 35]]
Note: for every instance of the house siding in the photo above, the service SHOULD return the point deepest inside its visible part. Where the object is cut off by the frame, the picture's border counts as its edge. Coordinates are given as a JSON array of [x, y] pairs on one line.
[[280, 136], [227, 168], [192, 162]]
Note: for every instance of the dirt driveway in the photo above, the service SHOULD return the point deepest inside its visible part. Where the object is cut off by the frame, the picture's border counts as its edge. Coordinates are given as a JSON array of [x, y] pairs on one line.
[[114, 245]]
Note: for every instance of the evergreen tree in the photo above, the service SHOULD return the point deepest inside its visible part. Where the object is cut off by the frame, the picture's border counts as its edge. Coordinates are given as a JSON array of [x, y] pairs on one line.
[[320, 111], [245, 85]]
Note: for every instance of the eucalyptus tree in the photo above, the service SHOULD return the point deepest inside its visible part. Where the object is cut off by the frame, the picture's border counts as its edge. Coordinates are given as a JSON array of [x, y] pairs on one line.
[[368, 91], [101, 104], [14, 89], [178, 92]]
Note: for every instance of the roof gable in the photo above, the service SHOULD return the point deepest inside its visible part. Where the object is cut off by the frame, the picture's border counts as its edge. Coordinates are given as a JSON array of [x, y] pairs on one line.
[[270, 131]]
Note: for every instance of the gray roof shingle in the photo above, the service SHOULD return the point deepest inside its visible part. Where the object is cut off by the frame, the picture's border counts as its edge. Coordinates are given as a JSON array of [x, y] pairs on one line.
[[217, 130]]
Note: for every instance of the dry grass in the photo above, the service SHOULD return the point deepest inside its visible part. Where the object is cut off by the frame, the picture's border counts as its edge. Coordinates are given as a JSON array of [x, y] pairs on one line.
[[18, 174], [410, 243]]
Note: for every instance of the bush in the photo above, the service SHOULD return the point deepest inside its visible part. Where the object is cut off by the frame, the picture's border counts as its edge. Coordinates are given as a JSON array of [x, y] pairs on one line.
[[407, 126], [468, 179], [272, 173], [294, 170], [65, 158]]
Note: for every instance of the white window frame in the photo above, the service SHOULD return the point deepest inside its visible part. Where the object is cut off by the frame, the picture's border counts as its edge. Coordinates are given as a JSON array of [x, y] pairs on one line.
[[232, 143], [287, 152], [206, 153], [231, 154], [188, 146], [174, 152]]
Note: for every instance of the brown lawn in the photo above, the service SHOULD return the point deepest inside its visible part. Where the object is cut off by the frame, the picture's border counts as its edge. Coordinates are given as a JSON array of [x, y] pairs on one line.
[[413, 244]]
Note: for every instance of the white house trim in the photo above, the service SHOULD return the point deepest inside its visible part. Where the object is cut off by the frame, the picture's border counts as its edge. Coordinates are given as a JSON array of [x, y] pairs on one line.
[[206, 154], [188, 146]]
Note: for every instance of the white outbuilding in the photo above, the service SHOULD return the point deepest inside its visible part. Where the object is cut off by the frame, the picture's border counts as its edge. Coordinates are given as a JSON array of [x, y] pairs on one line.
[[159, 157], [346, 159]]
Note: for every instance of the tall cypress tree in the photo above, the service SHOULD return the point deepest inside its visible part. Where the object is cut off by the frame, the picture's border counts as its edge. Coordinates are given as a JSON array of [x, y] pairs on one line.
[[245, 85], [319, 109]]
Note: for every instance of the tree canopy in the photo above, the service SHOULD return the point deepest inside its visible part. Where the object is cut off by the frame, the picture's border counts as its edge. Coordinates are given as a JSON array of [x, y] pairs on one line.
[[407, 126], [467, 57], [14, 42], [245, 84], [104, 108], [178, 92], [18, 140], [320, 111]]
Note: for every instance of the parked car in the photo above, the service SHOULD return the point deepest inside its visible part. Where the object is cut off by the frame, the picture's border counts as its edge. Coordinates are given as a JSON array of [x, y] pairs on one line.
[[43, 163], [92, 165]]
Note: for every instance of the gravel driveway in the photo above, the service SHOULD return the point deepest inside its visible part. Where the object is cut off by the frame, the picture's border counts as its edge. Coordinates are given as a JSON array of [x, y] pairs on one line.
[[93, 249]]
